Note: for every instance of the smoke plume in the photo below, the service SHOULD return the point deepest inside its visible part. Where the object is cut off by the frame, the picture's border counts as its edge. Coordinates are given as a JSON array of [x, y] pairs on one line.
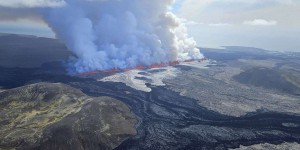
[[106, 34]]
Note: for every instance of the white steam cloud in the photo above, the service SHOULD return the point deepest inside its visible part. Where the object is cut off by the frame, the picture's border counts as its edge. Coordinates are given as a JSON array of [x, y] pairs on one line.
[[106, 34]]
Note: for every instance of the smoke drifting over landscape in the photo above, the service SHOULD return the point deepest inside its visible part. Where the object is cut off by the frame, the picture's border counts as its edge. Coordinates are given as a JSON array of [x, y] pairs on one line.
[[106, 34]]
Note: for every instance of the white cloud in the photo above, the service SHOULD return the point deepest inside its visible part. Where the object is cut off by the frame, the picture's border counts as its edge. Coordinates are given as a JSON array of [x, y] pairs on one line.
[[190, 22], [31, 3], [219, 24], [260, 22]]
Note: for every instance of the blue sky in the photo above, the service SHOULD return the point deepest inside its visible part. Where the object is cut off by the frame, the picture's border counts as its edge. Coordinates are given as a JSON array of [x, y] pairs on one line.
[[269, 24]]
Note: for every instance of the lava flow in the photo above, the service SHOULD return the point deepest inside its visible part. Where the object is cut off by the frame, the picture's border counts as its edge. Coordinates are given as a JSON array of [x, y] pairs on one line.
[[139, 67]]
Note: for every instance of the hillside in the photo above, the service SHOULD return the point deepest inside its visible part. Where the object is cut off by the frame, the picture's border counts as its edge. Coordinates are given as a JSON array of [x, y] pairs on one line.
[[57, 116]]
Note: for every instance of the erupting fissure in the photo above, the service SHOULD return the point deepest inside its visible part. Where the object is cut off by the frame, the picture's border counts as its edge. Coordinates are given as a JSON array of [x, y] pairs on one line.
[[107, 34], [139, 67]]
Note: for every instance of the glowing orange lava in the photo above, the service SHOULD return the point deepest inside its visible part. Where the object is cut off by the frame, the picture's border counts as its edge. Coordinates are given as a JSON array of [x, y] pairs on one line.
[[139, 67]]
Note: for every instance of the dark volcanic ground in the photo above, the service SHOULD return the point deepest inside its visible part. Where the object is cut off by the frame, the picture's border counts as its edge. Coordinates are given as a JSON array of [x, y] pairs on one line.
[[170, 121], [167, 120]]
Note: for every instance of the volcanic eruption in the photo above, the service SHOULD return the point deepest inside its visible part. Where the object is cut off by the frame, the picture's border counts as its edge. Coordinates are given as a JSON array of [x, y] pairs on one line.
[[108, 34]]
